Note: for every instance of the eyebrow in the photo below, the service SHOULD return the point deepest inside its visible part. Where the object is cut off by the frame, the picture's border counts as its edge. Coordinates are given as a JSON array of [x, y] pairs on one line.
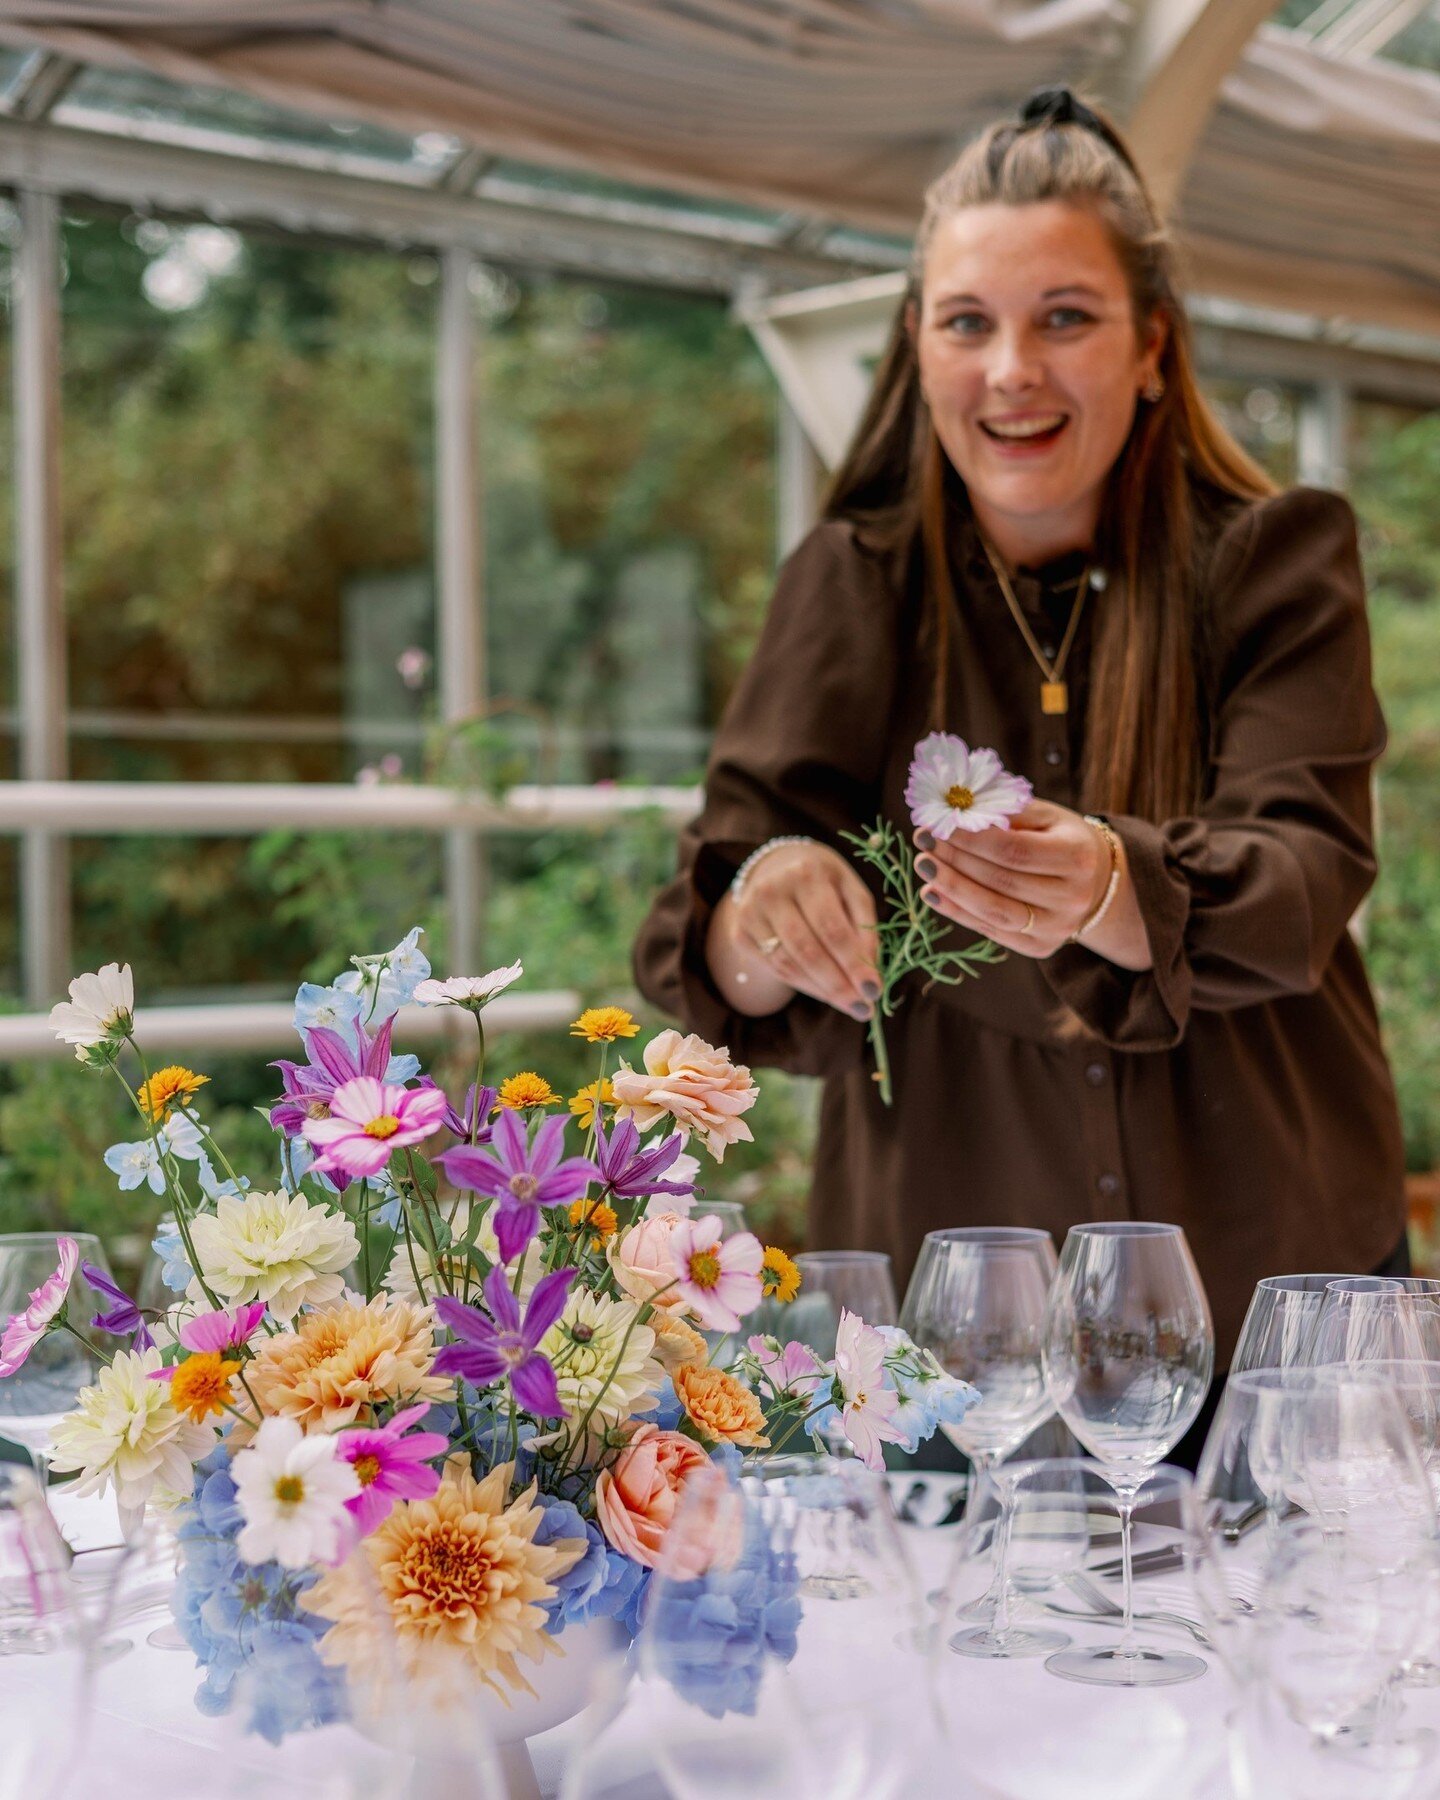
[[1073, 287]]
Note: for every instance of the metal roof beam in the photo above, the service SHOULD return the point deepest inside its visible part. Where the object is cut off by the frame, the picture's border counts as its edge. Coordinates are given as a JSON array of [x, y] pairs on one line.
[[42, 85]]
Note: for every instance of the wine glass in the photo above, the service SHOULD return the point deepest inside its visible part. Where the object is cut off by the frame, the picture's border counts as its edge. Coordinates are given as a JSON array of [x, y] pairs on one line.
[[1365, 1319], [1279, 1327], [977, 1301], [1128, 1353], [44, 1388], [832, 1282], [748, 1684]]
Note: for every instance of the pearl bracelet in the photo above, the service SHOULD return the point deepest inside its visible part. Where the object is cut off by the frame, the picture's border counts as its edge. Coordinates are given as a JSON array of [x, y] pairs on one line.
[[1112, 843], [742, 874]]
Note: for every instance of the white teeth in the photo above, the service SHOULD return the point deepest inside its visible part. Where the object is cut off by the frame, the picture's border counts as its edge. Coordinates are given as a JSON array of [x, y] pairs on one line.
[[1026, 428]]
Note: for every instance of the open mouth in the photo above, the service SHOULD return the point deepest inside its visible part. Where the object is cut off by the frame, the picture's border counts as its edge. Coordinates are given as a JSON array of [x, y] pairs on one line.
[[1026, 433]]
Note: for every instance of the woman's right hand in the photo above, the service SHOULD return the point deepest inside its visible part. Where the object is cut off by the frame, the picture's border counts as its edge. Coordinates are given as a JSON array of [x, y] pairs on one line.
[[813, 902]]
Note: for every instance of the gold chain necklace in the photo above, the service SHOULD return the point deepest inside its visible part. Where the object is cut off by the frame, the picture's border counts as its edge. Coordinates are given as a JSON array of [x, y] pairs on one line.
[[1054, 690]]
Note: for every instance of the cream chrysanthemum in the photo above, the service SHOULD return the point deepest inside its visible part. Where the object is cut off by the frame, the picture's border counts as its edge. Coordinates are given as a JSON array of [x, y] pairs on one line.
[[462, 1585], [126, 1434], [274, 1247], [591, 1369], [344, 1358]]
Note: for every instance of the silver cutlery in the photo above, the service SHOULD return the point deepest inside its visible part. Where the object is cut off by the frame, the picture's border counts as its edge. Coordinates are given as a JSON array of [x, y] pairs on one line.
[[1102, 1610]]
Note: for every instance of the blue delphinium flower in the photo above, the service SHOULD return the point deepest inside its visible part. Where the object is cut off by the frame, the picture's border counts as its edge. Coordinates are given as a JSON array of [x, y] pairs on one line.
[[602, 1585], [929, 1398], [712, 1637], [384, 983], [244, 1622], [169, 1246], [329, 1007]]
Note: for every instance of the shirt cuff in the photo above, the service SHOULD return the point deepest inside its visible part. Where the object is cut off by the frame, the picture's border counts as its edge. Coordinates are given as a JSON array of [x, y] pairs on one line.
[[1134, 1009]]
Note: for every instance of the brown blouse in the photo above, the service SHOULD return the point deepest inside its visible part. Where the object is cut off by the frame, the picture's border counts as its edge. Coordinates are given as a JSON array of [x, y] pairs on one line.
[[1238, 1087]]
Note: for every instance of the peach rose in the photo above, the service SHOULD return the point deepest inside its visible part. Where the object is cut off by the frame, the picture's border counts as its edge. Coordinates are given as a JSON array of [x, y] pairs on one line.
[[719, 1407], [636, 1498], [695, 1084], [642, 1263]]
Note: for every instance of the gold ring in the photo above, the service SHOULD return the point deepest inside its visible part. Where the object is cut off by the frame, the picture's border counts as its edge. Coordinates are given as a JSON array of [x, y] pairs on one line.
[[1029, 918], [768, 946]]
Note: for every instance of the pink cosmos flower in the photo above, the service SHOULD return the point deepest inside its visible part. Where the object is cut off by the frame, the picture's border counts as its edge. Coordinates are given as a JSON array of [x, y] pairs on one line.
[[954, 788], [390, 1466], [26, 1329], [791, 1368], [718, 1280], [223, 1330], [870, 1406], [368, 1119]]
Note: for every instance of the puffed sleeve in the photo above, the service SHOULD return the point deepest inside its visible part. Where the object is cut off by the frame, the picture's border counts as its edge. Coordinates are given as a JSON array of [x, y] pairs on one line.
[[1247, 901], [799, 751]]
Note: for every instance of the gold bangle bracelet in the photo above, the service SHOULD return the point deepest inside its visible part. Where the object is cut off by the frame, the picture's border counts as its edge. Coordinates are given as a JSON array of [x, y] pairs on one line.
[[1112, 843]]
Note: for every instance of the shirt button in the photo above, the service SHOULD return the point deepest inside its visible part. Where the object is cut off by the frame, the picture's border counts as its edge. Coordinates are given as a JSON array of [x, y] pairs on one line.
[[1095, 1074], [1108, 1184], [1048, 652], [1054, 755]]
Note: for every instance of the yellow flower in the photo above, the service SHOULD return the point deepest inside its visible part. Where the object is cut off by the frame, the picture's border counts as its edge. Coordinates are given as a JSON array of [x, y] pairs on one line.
[[595, 1216], [201, 1384], [527, 1089], [462, 1585], [718, 1406], [779, 1277], [583, 1103], [165, 1087], [343, 1359], [603, 1024]]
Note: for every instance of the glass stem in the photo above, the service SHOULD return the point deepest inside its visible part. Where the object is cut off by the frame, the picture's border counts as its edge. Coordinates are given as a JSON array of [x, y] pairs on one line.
[[1000, 1581], [1125, 1496]]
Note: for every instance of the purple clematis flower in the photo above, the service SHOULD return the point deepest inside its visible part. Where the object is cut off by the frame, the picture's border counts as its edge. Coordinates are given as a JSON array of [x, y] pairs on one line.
[[505, 1344], [473, 1124], [125, 1317], [521, 1177], [630, 1176]]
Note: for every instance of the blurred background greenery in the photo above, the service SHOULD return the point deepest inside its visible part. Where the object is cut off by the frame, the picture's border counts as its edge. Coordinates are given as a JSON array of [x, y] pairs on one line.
[[250, 594]]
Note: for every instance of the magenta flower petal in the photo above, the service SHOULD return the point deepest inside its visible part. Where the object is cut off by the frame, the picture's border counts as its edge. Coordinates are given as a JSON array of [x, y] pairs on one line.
[[534, 1386], [549, 1142], [26, 1329], [471, 1168], [504, 1307], [547, 1303], [478, 1364], [515, 1226]]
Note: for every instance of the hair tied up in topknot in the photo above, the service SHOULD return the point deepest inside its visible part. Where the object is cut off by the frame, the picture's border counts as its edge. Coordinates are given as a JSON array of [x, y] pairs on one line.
[[1058, 106]]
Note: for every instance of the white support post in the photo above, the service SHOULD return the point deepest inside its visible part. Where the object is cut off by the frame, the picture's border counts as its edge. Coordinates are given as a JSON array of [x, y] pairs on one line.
[[39, 593], [1322, 436], [458, 562], [797, 479]]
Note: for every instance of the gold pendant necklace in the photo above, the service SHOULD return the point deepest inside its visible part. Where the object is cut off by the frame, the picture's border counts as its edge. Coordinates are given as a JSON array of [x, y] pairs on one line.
[[1054, 689]]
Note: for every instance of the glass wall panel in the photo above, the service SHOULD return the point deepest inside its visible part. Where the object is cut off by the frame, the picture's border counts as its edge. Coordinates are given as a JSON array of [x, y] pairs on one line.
[[630, 518], [246, 448]]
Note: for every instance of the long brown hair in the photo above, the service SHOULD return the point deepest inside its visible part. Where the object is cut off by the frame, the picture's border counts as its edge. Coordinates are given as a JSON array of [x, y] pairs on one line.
[[1144, 748]]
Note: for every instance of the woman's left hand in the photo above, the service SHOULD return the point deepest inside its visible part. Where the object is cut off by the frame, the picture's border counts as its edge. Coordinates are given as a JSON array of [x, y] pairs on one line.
[[1031, 887]]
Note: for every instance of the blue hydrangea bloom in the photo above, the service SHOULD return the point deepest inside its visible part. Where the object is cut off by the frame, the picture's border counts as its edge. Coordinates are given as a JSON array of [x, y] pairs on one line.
[[667, 1411], [244, 1622], [602, 1585], [711, 1638]]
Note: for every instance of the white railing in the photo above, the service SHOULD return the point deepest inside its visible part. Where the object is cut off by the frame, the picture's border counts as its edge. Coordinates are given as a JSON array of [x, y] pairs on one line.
[[267, 1025]]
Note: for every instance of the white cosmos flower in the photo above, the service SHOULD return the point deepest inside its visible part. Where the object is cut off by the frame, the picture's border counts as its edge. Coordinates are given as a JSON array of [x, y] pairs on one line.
[[468, 990], [100, 1006], [277, 1247], [954, 788], [291, 1490], [125, 1434]]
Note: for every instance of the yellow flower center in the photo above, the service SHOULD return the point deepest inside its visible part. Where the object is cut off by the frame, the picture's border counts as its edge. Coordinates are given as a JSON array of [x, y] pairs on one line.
[[384, 1127], [705, 1269], [289, 1490], [960, 797], [367, 1470], [201, 1384]]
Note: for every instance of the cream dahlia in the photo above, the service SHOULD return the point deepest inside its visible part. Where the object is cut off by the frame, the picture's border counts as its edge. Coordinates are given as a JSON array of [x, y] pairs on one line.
[[596, 1364], [275, 1247]]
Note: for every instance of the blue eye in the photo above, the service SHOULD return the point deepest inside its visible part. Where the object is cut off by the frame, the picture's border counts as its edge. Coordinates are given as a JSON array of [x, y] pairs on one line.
[[962, 322], [1069, 315]]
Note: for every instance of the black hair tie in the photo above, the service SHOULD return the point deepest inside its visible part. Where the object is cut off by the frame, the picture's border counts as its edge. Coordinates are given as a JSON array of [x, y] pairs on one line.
[[1058, 106]]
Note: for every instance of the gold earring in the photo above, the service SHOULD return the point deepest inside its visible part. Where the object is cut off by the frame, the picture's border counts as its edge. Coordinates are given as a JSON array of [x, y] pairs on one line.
[[1155, 387]]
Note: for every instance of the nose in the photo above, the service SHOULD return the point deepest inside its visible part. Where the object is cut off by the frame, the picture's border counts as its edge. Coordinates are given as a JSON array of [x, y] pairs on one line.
[[1014, 366]]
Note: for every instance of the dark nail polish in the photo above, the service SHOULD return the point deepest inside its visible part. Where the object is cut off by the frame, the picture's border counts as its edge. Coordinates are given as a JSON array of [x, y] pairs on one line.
[[870, 989], [926, 867], [860, 1012], [925, 840]]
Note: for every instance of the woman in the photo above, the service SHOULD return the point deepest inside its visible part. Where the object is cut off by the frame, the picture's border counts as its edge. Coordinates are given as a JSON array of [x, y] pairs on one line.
[[1043, 540]]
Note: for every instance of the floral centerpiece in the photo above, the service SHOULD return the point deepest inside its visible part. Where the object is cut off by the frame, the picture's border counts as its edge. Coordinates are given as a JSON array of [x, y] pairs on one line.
[[452, 1355]]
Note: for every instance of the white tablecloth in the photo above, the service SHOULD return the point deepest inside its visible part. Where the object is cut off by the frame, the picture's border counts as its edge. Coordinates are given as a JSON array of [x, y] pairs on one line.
[[1020, 1733]]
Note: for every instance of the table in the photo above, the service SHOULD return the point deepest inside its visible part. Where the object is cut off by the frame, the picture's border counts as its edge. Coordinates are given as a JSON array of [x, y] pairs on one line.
[[1023, 1735]]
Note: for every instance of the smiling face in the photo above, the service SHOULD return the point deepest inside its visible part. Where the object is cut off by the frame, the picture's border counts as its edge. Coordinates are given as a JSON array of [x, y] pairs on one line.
[[1031, 366]]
